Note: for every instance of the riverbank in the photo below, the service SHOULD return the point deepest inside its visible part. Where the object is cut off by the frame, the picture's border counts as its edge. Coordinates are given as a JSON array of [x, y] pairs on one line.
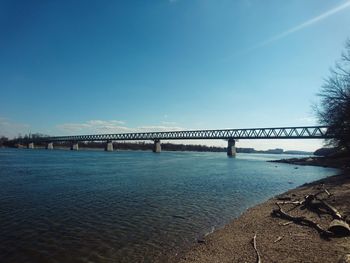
[[276, 239], [334, 162]]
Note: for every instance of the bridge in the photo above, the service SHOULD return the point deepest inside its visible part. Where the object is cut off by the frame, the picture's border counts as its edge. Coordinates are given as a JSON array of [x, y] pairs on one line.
[[231, 135]]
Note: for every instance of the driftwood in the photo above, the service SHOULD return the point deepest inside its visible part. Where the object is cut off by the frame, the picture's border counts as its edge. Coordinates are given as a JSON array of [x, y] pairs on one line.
[[258, 258], [339, 228], [277, 239], [307, 199], [327, 192], [345, 259], [301, 220], [324, 190], [309, 203], [290, 202], [331, 209], [314, 203], [284, 198], [286, 223]]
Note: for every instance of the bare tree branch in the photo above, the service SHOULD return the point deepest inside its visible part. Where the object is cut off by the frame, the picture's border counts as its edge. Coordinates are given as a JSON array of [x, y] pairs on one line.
[[334, 107]]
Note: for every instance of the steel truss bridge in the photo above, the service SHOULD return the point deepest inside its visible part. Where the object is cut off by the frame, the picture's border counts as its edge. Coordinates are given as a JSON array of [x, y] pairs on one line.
[[310, 132]]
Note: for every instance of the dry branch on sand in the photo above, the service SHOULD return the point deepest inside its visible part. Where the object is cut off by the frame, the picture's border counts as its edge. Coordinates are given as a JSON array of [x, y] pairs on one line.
[[258, 258], [338, 227], [300, 220]]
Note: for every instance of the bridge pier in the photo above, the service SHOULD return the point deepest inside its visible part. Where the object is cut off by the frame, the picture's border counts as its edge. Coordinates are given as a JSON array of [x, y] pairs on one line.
[[156, 146], [74, 146], [231, 148], [30, 145], [49, 146], [109, 146]]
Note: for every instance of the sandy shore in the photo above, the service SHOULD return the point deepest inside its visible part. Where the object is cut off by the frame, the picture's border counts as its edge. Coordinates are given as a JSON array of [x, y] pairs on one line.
[[276, 241]]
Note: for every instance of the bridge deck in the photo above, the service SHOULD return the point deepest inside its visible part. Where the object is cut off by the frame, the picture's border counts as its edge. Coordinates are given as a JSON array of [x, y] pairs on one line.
[[311, 132]]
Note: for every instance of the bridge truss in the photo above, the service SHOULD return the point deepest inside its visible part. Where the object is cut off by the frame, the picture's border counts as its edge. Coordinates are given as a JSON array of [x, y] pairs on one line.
[[311, 132]]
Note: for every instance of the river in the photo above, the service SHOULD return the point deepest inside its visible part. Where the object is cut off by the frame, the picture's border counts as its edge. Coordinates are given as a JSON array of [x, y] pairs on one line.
[[128, 206]]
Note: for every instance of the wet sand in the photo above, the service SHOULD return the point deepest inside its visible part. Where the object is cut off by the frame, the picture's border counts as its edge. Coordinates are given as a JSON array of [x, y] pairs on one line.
[[277, 241]]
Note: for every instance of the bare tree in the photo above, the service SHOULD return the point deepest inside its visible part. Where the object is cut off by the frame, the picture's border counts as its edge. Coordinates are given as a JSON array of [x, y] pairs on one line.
[[334, 108]]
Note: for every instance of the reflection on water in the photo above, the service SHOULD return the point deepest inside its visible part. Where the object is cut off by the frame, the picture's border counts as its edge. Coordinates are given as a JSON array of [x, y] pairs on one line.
[[65, 206]]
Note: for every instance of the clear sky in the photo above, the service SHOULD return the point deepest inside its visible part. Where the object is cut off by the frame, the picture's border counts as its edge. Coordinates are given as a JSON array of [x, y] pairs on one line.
[[74, 67]]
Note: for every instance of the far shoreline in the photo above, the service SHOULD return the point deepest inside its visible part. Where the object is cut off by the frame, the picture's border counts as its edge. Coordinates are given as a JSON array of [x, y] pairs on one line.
[[332, 162], [164, 149]]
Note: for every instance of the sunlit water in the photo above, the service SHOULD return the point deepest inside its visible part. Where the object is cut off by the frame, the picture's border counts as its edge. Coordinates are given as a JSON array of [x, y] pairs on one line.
[[94, 206]]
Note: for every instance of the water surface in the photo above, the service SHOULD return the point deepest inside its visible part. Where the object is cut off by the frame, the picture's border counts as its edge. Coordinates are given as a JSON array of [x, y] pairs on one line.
[[127, 206]]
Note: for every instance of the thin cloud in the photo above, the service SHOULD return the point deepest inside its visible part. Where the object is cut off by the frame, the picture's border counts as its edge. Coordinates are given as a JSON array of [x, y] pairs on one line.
[[299, 27], [159, 128], [100, 122], [93, 126], [171, 123], [113, 126], [307, 23], [72, 127]]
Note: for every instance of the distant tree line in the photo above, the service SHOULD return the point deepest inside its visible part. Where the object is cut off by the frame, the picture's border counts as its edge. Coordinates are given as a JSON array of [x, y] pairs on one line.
[[3, 141]]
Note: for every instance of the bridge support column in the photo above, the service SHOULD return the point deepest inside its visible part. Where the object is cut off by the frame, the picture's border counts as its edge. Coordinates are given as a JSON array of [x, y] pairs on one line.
[[49, 146], [231, 148], [30, 145], [109, 146], [74, 146], [156, 146]]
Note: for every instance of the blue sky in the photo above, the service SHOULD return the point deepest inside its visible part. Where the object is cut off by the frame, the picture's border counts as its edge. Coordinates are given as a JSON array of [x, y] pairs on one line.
[[73, 67]]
